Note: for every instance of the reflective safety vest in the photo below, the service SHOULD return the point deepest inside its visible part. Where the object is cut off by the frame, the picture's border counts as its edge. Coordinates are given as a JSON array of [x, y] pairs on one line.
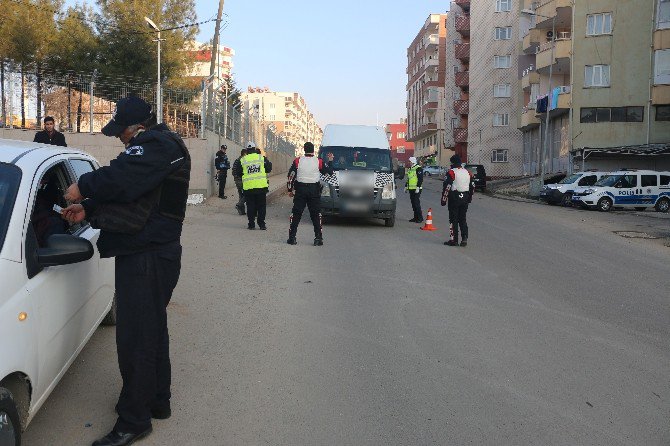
[[253, 172], [412, 177]]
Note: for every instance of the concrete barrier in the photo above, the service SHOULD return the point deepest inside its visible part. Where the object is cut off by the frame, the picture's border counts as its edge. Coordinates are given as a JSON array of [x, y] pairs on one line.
[[202, 151]]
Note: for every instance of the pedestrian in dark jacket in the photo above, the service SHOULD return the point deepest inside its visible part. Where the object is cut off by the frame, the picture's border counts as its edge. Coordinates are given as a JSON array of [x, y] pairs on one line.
[[222, 165], [50, 135], [237, 167], [139, 203]]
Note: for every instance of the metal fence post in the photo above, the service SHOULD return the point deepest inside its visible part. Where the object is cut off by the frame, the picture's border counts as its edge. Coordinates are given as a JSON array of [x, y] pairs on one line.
[[90, 100], [203, 111]]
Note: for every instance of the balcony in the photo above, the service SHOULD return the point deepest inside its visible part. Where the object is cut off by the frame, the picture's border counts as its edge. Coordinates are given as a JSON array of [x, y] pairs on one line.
[[562, 55], [432, 41], [529, 77], [429, 107], [431, 64], [465, 4], [424, 130], [532, 40], [463, 25], [461, 107], [528, 118], [460, 135], [463, 79], [547, 10], [462, 52]]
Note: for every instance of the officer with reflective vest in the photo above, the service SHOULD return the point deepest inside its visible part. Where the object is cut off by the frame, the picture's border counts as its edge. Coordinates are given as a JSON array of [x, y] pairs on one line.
[[457, 191], [414, 185], [138, 202], [254, 169], [305, 186]]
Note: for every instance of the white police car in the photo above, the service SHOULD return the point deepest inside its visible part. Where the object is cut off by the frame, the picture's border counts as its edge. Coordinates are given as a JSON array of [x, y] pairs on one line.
[[56, 289], [628, 189], [561, 192]]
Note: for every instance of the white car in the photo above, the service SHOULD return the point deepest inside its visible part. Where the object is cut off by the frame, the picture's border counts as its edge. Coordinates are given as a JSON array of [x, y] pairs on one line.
[[628, 189], [433, 170], [56, 289], [561, 192]]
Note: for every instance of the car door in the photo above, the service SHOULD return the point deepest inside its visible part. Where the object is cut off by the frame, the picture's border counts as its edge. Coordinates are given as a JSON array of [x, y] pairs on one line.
[[648, 189], [627, 189], [60, 292]]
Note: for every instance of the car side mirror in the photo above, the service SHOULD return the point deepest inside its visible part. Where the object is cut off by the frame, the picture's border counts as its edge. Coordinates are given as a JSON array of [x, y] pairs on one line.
[[63, 249], [400, 173]]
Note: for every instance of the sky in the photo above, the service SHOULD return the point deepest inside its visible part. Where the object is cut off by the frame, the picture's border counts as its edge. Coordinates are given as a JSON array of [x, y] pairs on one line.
[[346, 58]]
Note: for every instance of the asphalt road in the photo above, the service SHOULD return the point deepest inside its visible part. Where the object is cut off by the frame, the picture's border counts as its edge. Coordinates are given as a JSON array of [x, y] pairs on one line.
[[548, 329]]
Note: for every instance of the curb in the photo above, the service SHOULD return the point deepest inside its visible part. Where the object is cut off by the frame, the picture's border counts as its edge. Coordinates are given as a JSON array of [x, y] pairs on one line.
[[275, 194], [517, 199]]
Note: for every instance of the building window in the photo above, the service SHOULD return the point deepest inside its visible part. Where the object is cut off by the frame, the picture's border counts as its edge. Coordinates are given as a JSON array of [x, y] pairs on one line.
[[401, 135], [500, 119], [662, 67], [502, 91], [454, 123], [272, 117], [663, 112], [503, 5], [401, 149], [272, 106], [663, 14], [503, 33], [502, 61], [611, 114], [598, 24], [597, 76], [499, 156]]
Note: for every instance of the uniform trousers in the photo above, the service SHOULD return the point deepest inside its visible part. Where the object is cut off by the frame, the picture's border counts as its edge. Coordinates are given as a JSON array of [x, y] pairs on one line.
[[458, 209], [240, 194], [306, 194], [415, 199], [255, 207], [223, 175], [144, 285]]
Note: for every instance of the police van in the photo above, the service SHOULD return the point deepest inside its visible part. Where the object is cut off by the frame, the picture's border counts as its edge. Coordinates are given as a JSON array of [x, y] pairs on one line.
[[363, 184], [561, 192], [628, 189]]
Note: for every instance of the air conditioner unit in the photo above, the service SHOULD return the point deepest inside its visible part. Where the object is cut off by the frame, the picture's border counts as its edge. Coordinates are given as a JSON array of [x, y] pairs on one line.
[[550, 35], [565, 89]]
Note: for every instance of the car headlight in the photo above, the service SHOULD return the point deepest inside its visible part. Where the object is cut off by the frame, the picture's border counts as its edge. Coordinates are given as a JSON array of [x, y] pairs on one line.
[[545, 187], [325, 190], [388, 192]]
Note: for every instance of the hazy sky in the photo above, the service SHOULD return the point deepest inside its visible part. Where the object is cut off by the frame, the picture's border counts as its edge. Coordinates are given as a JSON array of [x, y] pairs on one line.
[[346, 58]]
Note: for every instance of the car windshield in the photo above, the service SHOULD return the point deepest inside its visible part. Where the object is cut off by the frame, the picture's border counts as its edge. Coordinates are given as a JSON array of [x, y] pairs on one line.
[[358, 158], [10, 177], [472, 169], [608, 181], [571, 179]]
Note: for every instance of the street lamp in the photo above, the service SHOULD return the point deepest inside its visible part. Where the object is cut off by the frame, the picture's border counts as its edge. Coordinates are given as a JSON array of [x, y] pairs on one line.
[[159, 99], [545, 143]]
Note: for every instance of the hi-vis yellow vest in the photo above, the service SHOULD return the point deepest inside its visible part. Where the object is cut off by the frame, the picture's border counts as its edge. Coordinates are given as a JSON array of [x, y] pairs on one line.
[[253, 172], [412, 177]]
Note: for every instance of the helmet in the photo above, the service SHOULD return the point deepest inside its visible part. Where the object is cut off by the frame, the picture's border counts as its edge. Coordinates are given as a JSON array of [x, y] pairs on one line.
[[251, 145]]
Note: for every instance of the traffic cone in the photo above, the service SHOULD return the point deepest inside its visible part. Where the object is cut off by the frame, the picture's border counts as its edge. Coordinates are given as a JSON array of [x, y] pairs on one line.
[[429, 222]]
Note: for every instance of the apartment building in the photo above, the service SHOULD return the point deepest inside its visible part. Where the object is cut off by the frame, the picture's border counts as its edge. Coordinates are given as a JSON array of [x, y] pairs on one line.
[[286, 113], [426, 101], [401, 149], [492, 135], [458, 77], [201, 58], [599, 72]]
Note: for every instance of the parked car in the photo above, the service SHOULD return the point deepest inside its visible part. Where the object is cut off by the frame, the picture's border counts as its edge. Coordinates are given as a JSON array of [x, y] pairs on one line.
[[561, 192], [433, 170], [56, 289], [628, 189], [478, 175]]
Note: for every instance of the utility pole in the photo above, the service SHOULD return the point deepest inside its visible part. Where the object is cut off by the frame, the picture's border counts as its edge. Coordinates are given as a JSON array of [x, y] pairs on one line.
[[215, 53]]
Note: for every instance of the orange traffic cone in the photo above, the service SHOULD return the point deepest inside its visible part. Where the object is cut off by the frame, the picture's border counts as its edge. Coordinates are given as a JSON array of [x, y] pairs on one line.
[[429, 222]]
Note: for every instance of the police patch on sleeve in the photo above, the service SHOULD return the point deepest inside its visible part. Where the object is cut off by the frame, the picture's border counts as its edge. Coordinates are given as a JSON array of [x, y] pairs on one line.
[[135, 151]]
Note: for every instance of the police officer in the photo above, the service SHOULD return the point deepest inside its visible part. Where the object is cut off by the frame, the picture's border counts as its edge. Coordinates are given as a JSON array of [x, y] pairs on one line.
[[139, 202], [457, 191], [222, 165], [305, 187], [414, 185], [253, 170], [237, 169]]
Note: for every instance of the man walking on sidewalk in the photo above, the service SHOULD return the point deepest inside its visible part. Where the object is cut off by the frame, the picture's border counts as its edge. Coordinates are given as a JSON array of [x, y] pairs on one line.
[[254, 168], [237, 167], [414, 185], [457, 191], [305, 187]]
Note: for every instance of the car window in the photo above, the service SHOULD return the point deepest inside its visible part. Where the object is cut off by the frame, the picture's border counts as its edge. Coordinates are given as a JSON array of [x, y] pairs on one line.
[[665, 180], [10, 177], [571, 179], [81, 167], [50, 190], [588, 180], [649, 180], [628, 181]]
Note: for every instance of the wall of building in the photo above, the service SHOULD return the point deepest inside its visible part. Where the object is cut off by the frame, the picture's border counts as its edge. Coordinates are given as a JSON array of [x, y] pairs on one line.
[[202, 151], [483, 136]]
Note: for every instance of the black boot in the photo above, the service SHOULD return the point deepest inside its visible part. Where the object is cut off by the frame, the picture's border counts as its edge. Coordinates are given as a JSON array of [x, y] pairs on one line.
[[292, 241], [115, 438], [451, 243], [464, 242], [318, 241]]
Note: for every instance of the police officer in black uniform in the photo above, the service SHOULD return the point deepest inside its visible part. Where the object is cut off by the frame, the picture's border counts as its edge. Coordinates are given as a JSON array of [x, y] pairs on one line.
[[139, 202], [222, 165]]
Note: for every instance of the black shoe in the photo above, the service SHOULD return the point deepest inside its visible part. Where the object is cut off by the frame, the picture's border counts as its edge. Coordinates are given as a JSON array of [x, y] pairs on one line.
[[451, 243], [318, 242], [420, 220], [251, 227], [292, 241], [263, 227], [414, 220], [464, 242], [115, 438], [161, 413]]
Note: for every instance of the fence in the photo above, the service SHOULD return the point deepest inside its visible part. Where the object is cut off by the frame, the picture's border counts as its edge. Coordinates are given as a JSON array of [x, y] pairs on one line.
[[85, 102]]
